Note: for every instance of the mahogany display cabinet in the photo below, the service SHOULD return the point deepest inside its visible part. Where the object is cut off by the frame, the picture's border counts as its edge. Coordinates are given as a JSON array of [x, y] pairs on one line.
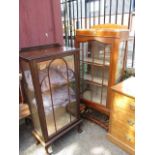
[[102, 63], [52, 90]]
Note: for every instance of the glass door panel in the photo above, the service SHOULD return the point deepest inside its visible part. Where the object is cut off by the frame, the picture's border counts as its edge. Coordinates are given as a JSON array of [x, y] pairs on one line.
[[105, 76], [97, 74], [58, 92], [104, 95], [101, 54], [86, 53], [71, 107], [53, 81], [87, 72], [91, 92]]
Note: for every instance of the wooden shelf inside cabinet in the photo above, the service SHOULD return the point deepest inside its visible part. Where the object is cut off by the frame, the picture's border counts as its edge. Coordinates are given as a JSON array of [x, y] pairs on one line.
[[95, 62], [102, 63]]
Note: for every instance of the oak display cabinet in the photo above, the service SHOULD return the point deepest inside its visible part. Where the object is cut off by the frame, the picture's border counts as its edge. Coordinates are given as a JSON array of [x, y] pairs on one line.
[[102, 63], [52, 89]]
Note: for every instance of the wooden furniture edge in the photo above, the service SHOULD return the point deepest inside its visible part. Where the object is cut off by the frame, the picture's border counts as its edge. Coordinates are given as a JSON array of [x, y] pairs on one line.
[[52, 139], [125, 147]]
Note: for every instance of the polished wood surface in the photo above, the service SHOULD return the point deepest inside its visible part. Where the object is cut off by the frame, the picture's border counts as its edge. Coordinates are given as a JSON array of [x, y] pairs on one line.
[[126, 87], [105, 30], [122, 115], [52, 115], [24, 111], [105, 34], [45, 51]]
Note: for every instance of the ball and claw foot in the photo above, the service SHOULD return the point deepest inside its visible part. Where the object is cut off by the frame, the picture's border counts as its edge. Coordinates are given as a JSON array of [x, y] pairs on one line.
[[49, 150]]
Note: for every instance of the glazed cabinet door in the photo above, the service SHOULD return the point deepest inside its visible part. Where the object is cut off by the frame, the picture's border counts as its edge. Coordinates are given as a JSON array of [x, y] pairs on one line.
[[58, 88], [94, 71]]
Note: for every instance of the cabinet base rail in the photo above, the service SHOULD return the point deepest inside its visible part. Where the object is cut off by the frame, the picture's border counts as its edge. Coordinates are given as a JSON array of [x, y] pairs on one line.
[[48, 145]]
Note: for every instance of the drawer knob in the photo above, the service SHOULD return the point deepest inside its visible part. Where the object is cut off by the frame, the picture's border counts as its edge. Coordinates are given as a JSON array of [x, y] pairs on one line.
[[131, 122], [132, 107], [128, 138]]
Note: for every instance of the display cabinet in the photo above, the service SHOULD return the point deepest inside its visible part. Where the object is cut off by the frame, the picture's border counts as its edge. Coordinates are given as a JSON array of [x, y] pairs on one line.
[[102, 62], [122, 118], [52, 89]]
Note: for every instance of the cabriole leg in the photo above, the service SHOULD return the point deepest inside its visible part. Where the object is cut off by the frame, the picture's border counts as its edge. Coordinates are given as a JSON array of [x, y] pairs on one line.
[[48, 150]]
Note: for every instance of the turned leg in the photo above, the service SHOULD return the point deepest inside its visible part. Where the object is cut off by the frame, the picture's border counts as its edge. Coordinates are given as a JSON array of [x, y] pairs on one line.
[[48, 150]]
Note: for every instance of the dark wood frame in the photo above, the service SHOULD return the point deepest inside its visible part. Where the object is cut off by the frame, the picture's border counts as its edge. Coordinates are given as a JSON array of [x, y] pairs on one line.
[[114, 36], [47, 140]]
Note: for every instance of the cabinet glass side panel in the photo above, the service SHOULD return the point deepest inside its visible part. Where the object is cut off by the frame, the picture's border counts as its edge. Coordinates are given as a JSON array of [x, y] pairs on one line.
[[57, 92], [120, 62], [30, 93]]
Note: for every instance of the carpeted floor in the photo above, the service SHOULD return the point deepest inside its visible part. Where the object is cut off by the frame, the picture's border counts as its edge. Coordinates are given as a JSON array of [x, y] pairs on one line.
[[92, 141]]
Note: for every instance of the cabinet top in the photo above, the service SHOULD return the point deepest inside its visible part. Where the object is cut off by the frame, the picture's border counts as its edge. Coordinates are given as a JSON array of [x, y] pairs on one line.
[[126, 87], [105, 30], [45, 51]]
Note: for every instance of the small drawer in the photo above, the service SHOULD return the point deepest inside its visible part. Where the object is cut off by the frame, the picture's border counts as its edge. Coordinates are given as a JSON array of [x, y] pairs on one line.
[[124, 117], [123, 102], [123, 128], [126, 137]]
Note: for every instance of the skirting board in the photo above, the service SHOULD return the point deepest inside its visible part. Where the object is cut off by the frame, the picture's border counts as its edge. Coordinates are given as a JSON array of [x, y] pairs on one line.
[[125, 147]]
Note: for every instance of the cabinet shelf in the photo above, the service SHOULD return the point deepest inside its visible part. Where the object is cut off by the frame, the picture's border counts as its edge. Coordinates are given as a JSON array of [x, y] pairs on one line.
[[59, 86], [96, 98], [96, 62], [95, 80]]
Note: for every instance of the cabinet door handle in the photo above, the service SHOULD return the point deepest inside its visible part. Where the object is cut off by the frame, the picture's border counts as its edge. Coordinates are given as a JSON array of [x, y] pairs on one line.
[[131, 122]]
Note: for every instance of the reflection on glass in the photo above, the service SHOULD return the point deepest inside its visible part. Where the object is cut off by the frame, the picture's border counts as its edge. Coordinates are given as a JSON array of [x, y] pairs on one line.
[[104, 95], [95, 52], [31, 97], [87, 72], [58, 92], [95, 74], [98, 74], [92, 93], [72, 106], [70, 62]]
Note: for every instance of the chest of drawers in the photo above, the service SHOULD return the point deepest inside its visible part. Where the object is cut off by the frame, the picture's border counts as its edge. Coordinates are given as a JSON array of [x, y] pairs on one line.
[[122, 115]]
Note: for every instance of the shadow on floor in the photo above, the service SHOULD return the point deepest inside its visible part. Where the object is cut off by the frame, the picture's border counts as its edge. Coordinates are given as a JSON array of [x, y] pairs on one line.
[[92, 141]]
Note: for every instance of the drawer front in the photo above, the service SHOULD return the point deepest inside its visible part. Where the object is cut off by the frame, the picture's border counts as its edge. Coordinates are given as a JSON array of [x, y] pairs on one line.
[[123, 128], [126, 118], [123, 103], [127, 136]]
